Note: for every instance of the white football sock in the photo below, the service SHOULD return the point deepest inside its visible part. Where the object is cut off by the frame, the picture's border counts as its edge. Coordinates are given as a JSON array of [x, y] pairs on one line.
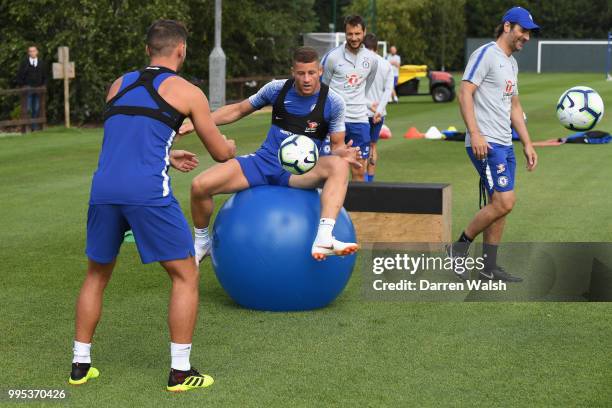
[[201, 234], [180, 356], [82, 352], [324, 234]]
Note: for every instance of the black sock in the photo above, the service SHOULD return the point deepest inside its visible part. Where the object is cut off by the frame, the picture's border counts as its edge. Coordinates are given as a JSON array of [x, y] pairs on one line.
[[465, 239], [462, 246], [489, 252], [79, 370]]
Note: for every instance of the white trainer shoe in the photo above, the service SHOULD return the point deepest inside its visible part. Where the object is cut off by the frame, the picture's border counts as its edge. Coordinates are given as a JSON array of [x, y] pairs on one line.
[[202, 250], [338, 248]]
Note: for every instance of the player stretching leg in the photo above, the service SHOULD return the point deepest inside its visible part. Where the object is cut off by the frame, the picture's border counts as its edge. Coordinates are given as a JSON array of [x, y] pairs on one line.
[[490, 107], [301, 105], [131, 190]]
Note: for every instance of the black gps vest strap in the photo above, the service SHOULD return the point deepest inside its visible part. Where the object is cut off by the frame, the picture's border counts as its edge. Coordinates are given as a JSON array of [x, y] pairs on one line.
[[312, 125], [482, 186], [165, 113]]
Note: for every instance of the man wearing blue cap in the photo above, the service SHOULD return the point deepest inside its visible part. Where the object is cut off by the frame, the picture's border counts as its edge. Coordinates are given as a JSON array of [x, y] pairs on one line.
[[490, 108]]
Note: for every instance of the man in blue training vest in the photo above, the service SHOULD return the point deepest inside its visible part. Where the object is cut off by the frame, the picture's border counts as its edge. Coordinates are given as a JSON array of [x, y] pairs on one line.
[[301, 105], [490, 107], [131, 190]]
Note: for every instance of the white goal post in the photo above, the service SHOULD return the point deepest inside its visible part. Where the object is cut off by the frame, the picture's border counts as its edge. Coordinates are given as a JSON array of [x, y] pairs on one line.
[[566, 42]]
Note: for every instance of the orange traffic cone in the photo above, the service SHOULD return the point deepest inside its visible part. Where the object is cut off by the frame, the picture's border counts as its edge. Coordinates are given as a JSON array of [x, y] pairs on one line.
[[413, 133]]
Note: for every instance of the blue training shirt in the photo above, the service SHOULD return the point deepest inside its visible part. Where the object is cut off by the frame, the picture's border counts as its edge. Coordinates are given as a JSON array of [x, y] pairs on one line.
[[134, 160], [298, 105]]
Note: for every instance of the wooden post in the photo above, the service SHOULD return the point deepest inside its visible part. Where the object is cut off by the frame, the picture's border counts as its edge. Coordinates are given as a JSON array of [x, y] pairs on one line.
[[64, 62], [43, 107], [23, 99], [64, 69]]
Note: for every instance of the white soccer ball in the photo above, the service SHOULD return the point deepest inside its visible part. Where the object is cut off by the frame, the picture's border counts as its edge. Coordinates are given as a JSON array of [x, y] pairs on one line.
[[298, 154], [580, 108]]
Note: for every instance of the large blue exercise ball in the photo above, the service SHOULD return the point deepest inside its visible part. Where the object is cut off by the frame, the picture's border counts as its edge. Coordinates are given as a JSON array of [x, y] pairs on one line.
[[262, 238]]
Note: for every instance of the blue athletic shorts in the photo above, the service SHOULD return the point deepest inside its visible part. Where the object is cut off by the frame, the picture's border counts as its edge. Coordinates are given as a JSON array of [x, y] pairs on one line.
[[359, 133], [262, 169], [497, 169], [375, 130], [161, 233], [395, 78]]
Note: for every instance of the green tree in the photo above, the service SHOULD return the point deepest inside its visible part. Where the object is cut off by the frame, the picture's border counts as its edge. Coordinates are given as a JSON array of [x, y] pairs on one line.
[[558, 19], [324, 11], [259, 35], [425, 31], [106, 39]]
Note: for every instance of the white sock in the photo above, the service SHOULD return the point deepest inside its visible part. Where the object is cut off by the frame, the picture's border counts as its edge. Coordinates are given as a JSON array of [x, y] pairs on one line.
[[82, 352], [201, 233], [201, 236], [324, 234], [180, 356]]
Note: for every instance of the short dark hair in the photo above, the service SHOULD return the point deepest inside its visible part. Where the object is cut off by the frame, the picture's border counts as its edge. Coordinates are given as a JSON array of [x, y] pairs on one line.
[[164, 35], [499, 30], [305, 55], [354, 21], [371, 42]]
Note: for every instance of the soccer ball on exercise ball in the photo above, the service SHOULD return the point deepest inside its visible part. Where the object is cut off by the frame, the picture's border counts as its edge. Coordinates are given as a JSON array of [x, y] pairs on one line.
[[580, 108], [298, 154]]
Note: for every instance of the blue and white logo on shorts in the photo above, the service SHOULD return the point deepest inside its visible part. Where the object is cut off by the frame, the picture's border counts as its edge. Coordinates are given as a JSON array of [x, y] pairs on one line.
[[497, 171], [326, 147]]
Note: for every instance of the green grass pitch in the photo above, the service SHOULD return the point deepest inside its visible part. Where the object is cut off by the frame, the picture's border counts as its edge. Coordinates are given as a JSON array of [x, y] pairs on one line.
[[353, 353]]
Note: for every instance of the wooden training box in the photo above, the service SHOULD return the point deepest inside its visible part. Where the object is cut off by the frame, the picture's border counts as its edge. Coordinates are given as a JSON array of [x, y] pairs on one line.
[[400, 212]]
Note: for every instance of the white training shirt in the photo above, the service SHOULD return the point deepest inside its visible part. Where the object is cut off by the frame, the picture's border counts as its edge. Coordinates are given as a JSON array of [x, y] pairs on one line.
[[395, 58], [496, 76], [380, 91], [350, 75]]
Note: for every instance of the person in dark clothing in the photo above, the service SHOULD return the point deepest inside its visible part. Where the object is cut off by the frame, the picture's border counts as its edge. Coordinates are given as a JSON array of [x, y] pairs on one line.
[[32, 73]]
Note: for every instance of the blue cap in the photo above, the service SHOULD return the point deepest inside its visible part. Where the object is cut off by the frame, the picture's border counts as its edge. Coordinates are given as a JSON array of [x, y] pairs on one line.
[[522, 17]]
